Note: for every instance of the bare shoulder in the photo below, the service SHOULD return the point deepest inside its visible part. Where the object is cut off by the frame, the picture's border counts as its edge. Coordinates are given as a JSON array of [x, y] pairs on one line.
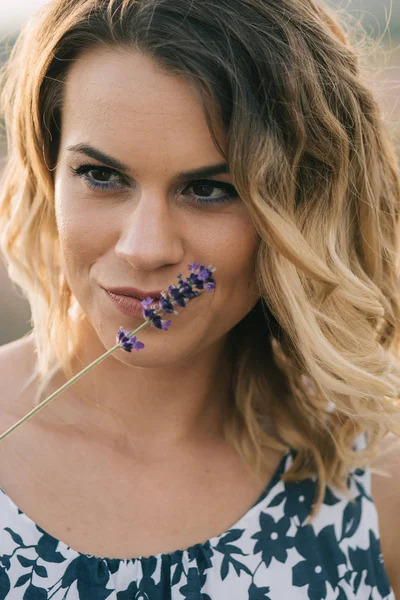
[[386, 495], [17, 361], [23, 348]]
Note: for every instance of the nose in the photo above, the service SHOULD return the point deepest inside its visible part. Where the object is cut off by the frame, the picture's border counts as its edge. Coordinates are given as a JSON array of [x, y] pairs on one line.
[[150, 237]]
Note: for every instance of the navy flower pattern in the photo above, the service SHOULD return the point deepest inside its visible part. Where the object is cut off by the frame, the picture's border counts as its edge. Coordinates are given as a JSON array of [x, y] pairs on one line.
[[272, 552]]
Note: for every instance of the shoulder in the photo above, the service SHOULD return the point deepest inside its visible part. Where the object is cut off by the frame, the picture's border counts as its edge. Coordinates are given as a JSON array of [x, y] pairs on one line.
[[22, 345], [17, 357], [385, 478], [17, 361]]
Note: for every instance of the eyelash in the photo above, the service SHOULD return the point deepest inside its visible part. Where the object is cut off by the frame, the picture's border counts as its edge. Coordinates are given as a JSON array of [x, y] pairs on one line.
[[83, 170]]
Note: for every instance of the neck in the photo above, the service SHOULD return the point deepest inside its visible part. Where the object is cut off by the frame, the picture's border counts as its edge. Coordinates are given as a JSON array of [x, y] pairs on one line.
[[147, 410]]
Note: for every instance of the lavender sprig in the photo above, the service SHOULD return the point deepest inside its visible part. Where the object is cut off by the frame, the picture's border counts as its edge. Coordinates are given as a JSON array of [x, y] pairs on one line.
[[200, 278]]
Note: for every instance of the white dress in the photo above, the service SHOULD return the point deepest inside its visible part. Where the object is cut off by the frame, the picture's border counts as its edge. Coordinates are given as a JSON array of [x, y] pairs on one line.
[[269, 554]]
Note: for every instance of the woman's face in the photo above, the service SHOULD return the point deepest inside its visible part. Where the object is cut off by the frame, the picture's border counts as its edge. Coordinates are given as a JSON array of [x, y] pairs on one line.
[[142, 223]]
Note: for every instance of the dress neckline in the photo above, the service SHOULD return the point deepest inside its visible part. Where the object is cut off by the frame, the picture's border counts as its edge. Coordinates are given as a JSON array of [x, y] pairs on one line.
[[203, 546]]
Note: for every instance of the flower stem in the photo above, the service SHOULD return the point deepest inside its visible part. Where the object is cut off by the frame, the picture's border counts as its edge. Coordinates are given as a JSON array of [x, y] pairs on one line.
[[67, 385], [194, 281]]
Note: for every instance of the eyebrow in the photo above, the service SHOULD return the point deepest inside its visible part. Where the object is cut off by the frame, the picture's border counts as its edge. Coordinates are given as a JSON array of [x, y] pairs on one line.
[[88, 150]]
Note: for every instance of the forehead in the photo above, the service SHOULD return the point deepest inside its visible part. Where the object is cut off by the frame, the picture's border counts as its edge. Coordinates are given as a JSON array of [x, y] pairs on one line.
[[124, 98]]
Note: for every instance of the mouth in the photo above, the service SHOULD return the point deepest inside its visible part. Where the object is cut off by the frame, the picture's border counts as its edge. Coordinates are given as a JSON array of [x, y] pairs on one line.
[[129, 305], [134, 293]]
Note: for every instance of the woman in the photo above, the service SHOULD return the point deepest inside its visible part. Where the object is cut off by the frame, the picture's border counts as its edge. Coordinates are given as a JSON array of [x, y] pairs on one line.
[[143, 136]]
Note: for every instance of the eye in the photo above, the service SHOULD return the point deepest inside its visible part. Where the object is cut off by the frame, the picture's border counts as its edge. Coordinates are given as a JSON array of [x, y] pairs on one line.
[[205, 186], [93, 183], [96, 177]]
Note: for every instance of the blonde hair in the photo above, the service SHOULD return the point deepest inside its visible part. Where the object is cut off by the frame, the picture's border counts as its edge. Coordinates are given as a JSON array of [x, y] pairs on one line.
[[313, 162]]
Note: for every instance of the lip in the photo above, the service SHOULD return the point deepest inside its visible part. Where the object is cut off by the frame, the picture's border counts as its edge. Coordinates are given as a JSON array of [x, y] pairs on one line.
[[128, 305], [135, 293]]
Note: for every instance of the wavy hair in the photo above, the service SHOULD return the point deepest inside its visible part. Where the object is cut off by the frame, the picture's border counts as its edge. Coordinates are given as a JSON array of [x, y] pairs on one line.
[[314, 163]]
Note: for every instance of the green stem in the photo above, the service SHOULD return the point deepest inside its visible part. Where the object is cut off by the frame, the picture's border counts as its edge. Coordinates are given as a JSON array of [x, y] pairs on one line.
[[68, 384]]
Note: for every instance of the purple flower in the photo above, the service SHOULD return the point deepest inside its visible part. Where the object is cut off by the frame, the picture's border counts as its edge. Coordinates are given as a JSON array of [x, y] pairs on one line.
[[204, 276], [155, 319], [166, 304], [176, 296], [146, 303], [200, 278], [128, 343], [193, 267]]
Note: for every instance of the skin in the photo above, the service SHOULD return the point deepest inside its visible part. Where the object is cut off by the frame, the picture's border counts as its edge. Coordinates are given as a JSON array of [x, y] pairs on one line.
[[143, 234], [385, 490]]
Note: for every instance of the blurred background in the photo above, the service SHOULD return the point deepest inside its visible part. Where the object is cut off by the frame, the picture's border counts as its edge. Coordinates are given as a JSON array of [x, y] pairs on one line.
[[380, 19]]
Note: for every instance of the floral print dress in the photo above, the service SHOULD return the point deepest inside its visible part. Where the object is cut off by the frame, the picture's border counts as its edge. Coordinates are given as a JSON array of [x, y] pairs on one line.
[[271, 553]]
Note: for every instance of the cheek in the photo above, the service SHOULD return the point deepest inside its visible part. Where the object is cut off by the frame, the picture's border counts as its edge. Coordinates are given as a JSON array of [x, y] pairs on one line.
[[82, 231], [235, 247], [76, 235]]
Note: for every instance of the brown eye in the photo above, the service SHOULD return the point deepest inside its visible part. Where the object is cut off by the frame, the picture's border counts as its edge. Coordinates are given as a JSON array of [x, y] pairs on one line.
[[202, 192], [99, 180]]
